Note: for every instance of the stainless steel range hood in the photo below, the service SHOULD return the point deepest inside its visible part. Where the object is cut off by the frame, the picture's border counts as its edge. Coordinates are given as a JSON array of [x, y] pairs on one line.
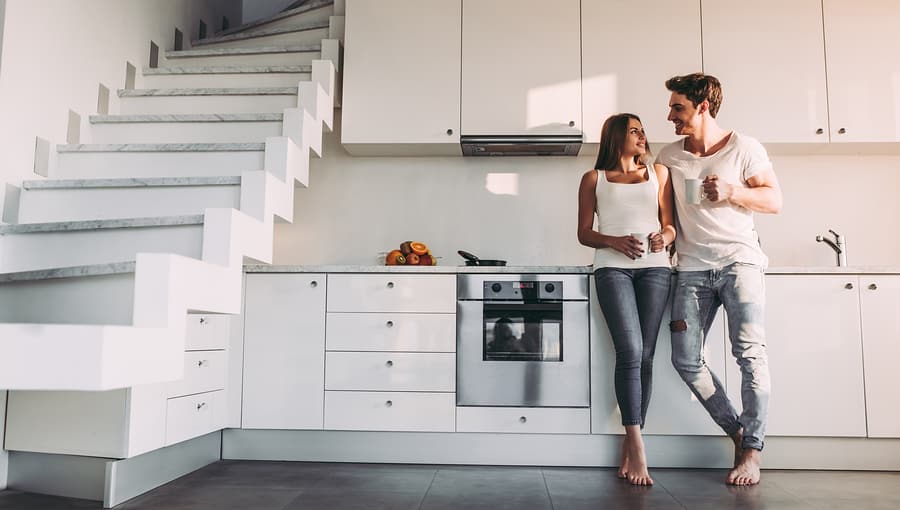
[[521, 145]]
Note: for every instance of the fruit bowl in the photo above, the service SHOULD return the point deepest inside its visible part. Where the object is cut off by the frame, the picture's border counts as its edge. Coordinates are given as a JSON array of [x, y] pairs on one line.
[[410, 253]]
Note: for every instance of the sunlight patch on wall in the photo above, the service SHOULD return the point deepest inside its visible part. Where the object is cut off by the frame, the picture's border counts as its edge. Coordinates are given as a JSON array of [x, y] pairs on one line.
[[502, 184]]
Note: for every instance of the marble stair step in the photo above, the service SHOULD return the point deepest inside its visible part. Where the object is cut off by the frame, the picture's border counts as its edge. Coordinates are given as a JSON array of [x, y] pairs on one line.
[[293, 55], [317, 10], [44, 246], [207, 100], [185, 128], [157, 160], [225, 76], [54, 200], [308, 32]]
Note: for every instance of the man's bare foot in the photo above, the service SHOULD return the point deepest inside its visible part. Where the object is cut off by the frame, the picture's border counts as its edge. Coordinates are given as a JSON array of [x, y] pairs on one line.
[[738, 439], [746, 472], [623, 466], [637, 473]]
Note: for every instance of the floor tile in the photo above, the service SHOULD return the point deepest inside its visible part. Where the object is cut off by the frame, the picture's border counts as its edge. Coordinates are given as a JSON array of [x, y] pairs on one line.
[[487, 488], [15, 500], [705, 488], [351, 499], [219, 498], [577, 488]]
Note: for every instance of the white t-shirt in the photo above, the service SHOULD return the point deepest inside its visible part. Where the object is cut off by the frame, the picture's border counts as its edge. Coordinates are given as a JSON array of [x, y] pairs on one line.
[[624, 209], [713, 235]]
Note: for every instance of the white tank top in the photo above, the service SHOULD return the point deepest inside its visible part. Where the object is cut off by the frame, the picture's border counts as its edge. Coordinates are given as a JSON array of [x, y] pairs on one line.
[[624, 209]]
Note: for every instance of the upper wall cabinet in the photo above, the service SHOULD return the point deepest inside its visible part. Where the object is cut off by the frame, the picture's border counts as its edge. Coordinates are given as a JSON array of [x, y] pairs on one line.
[[629, 49], [521, 68], [769, 56], [863, 53], [401, 77]]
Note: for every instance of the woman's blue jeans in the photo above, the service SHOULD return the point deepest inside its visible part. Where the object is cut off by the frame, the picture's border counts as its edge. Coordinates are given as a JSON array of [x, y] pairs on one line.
[[633, 302], [740, 288]]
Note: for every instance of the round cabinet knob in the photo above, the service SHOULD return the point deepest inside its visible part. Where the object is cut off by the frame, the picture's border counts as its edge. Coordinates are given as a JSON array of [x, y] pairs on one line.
[[820, 131], [449, 132], [313, 284], [841, 131], [549, 287], [202, 362], [848, 286], [202, 320], [522, 419], [390, 285], [388, 403], [496, 287], [872, 286], [389, 324], [389, 363], [571, 123], [201, 405]]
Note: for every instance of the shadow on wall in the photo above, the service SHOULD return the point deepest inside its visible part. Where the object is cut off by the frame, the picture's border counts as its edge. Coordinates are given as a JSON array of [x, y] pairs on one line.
[[2, 23]]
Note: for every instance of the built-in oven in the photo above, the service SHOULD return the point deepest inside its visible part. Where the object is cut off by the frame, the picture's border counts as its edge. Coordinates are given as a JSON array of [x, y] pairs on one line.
[[523, 340]]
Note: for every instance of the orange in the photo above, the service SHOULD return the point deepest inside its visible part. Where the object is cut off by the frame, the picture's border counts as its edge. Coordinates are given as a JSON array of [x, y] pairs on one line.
[[418, 248], [394, 258]]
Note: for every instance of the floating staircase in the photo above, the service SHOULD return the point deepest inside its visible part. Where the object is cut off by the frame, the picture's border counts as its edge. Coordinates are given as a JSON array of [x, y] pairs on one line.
[[155, 217]]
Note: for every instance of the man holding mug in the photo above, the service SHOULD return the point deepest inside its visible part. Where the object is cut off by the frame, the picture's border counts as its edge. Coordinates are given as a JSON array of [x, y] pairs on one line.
[[720, 178]]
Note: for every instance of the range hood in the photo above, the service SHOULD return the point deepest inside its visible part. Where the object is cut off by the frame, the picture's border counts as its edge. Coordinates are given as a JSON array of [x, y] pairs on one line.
[[521, 145]]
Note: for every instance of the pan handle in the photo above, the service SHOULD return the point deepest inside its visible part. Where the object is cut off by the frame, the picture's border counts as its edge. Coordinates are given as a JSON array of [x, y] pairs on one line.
[[468, 256]]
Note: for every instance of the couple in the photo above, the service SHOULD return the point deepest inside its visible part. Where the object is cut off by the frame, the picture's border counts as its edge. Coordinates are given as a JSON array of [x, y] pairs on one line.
[[719, 263]]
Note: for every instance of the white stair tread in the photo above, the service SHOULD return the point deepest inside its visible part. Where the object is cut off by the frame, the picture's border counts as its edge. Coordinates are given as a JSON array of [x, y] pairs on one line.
[[226, 69], [86, 356], [131, 182], [162, 147], [188, 117], [214, 52], [69, 272], [252, 34], [71, 226], [310, 6], [242, 91]]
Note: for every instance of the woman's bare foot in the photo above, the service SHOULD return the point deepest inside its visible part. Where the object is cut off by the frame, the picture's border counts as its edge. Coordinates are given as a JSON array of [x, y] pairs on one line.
[[633, 452], [738, 439], [746, 472]]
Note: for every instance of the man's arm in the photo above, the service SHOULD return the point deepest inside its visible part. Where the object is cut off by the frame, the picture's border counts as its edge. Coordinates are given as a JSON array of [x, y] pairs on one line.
[[762, 193]]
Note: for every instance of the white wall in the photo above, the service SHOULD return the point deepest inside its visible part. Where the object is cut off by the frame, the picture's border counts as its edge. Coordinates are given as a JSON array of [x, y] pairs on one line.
[[56, 53], [2, 22], [357, 208], [258, 9]]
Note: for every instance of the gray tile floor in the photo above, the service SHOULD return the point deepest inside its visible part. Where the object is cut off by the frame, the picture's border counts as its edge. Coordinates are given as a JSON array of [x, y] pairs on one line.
[[300, 485]]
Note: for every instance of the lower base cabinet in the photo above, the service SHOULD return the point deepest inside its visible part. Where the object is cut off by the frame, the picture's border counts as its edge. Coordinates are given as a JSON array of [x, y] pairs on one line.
[[524, 420], [388, 410]]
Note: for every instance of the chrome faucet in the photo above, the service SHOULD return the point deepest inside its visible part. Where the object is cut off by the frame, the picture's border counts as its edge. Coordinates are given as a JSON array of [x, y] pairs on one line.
[[840, 249]]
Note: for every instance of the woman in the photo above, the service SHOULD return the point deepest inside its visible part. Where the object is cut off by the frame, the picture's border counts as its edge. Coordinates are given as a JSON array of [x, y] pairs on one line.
[[628, 195]]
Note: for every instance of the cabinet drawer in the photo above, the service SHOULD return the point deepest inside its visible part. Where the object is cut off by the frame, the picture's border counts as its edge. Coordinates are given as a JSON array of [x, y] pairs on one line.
[[194, 416], [203, 371], [424, 412], [390, 371], [416, 332], [206, 332], [524, 420], [391, 293]]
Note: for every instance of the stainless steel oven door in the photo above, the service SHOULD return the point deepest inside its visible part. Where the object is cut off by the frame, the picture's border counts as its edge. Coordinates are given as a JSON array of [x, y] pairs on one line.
[[553, 374]]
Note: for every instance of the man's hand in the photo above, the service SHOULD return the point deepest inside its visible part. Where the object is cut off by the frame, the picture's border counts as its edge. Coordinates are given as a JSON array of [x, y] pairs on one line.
[[716, 190]]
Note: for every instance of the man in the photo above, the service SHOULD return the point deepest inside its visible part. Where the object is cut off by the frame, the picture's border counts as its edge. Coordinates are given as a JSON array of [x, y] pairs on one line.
[[720, 261]]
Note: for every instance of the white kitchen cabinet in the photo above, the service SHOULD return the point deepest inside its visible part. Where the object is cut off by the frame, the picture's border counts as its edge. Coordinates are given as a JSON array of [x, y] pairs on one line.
[[357, 293], [673, 408], [284, 351], [770, 57], [629, 49], [815, 357], [521, 67], [880, 304], [390, 371], [401, 85], [524, 420], [412, 332], [863, 54], [390, 411]]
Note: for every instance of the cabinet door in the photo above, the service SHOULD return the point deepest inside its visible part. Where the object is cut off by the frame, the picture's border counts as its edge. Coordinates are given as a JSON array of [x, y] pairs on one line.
[[769, 56], [673, 408], [629, 50], [880, 300], [815, 357], [863, 52], [521, 67], [284, 351], [401, 74]]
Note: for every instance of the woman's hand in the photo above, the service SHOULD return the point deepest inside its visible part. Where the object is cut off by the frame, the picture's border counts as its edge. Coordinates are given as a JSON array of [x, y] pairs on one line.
[[630, 246], [657, 242]]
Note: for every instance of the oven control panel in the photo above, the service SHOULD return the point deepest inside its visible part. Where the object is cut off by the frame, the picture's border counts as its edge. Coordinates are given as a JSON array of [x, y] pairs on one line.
[[523, 290]]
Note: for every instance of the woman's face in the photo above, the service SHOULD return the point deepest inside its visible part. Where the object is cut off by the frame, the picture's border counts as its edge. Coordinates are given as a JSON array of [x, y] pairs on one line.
[[635, 139]]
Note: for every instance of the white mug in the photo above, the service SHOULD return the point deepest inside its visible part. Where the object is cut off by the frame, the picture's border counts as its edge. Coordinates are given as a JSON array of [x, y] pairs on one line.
[[644, 238], [693, 191]]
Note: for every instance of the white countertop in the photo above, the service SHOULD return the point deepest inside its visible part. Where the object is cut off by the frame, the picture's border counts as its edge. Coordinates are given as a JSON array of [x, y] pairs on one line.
[[260, 268]]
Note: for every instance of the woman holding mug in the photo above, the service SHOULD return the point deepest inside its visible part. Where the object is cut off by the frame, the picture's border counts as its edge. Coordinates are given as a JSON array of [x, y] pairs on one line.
[[632, 200]]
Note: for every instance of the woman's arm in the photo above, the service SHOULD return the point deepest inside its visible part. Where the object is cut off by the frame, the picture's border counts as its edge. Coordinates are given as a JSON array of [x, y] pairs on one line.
[[666, 210]]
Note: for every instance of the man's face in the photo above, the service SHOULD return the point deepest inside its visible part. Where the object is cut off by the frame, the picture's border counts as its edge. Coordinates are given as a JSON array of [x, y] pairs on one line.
[[684, 114]]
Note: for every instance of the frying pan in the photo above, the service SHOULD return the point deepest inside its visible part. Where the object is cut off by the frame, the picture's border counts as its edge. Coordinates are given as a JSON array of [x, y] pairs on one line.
[[472, 260]]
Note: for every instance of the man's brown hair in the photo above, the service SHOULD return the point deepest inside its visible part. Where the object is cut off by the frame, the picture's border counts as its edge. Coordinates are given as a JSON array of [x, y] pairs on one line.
[[698, 87]]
